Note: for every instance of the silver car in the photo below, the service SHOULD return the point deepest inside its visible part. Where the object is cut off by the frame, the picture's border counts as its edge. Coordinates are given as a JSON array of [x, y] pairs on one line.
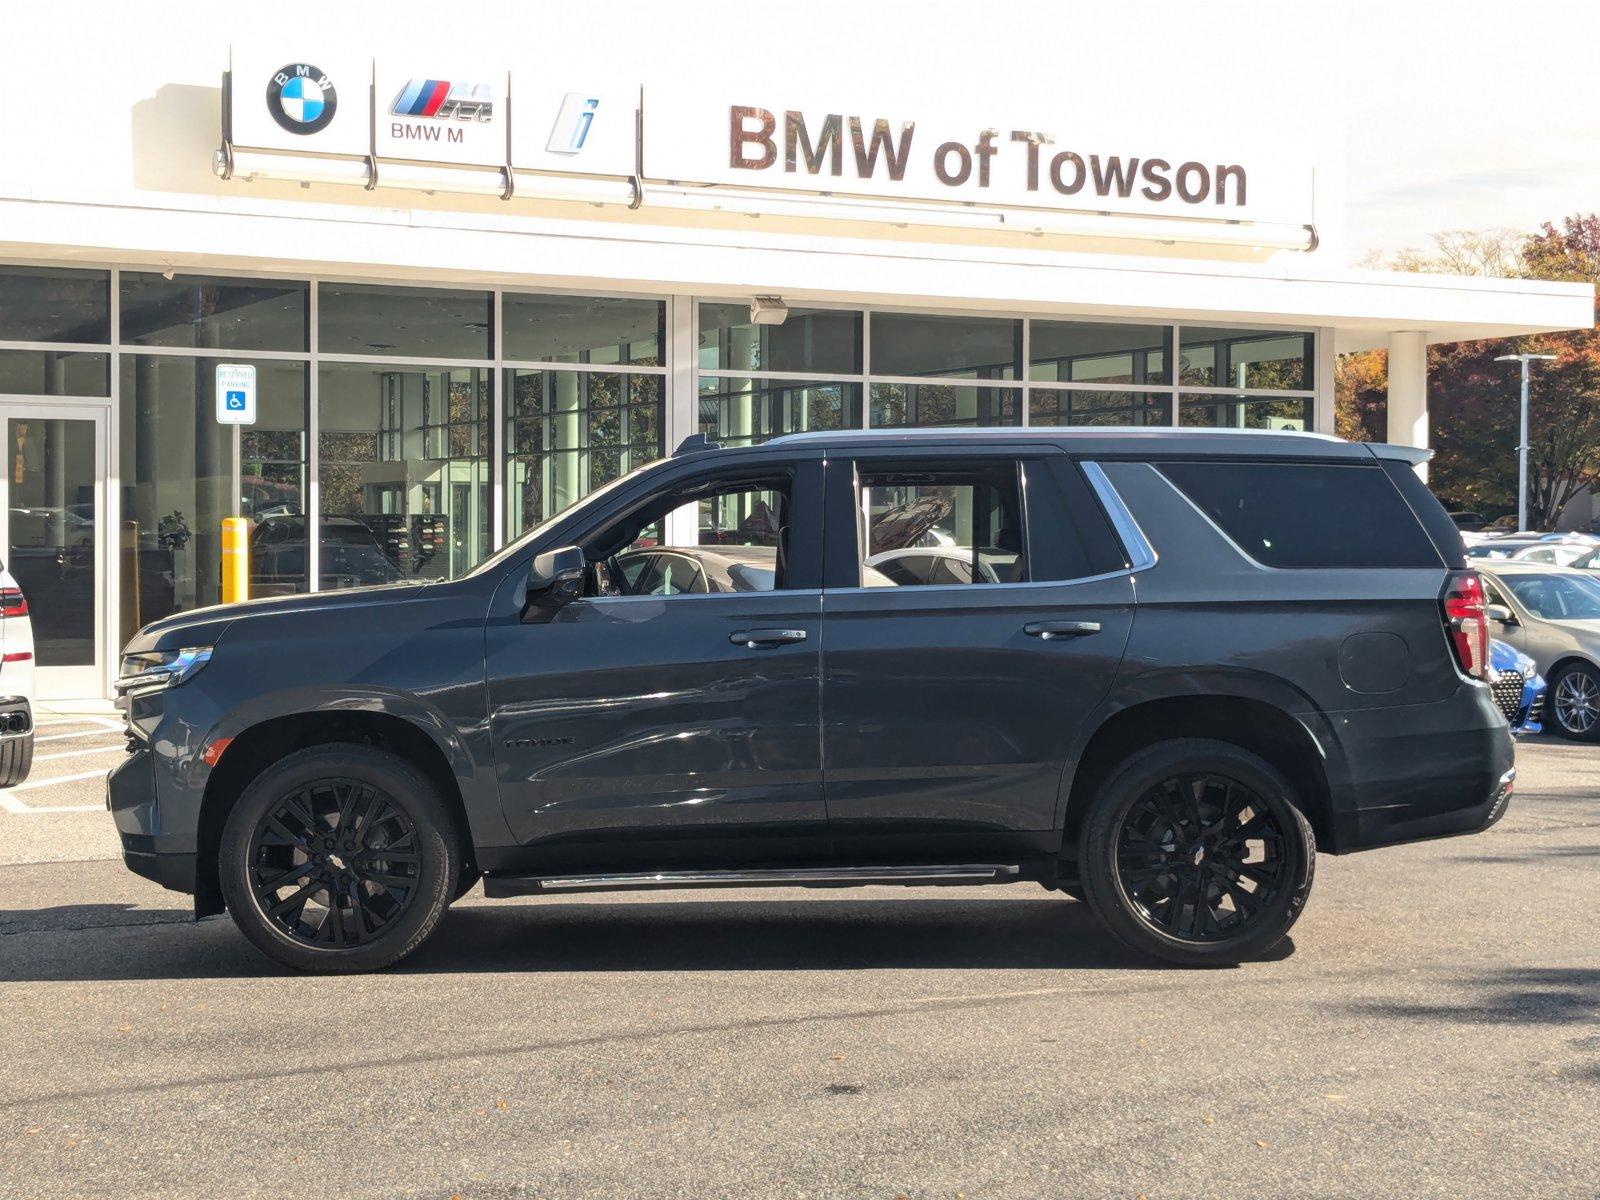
[[1552, 614]]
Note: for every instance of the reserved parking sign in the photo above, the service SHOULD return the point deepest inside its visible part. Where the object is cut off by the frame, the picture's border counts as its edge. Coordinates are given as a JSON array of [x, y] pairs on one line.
[[236, 394]]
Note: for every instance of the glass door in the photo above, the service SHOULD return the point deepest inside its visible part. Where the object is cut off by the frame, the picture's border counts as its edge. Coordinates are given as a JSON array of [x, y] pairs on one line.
[[53, 538]]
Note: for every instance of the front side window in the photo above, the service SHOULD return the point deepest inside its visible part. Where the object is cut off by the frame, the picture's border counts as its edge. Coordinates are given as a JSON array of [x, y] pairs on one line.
[[741, 541], [1556, 597], [940, 524]]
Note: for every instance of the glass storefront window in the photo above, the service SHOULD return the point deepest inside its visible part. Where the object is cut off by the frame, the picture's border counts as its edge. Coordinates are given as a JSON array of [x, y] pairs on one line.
[[206, 312], [818, 341], [403, 472], [54, 373], [273, 467], [176, 465], [404, 322], [905, 404], [54, 304], [1089, 352], [962, 347], [1245, 358], [579, 329], [1245, 412], [569, 432], [746, 411], [1064, 406]]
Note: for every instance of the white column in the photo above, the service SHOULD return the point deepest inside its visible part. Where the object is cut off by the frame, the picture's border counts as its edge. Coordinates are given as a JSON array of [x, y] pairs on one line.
[[1408, 391]]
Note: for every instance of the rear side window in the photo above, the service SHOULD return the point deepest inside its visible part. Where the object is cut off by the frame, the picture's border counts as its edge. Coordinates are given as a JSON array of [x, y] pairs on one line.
[[1307, 514]]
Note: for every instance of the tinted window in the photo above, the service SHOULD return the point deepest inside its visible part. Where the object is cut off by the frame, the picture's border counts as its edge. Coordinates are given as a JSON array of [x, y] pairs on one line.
[[54, 304], [1446, 537], [583, 329], [975, 347], [403, 321], [819, 340], [1068, 535], [213, 313], [1307, 515]]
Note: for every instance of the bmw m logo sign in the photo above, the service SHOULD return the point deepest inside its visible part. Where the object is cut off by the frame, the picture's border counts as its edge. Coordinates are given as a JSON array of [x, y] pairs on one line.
[[301, 98]]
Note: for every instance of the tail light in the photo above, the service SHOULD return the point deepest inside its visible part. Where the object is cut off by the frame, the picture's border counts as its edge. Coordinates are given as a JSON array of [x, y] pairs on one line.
[[1466, 619], [13, 603]]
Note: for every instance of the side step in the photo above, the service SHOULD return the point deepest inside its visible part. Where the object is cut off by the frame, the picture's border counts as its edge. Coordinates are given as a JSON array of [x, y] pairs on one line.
[[518, 885]]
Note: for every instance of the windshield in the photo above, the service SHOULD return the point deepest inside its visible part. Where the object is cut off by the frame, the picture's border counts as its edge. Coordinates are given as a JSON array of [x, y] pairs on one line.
[[593, 498], [1556, 597]]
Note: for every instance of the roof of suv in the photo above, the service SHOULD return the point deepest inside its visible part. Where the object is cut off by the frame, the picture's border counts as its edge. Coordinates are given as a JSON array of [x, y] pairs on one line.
[[1113, 441]]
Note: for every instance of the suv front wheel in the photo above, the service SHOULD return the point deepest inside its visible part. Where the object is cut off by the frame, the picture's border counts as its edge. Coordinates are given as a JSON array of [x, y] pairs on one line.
[[339, 858], [1196, 851]]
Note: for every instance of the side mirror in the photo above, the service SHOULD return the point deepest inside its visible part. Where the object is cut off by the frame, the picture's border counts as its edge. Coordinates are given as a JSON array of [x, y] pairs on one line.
[[554, 580], [1499, 612]]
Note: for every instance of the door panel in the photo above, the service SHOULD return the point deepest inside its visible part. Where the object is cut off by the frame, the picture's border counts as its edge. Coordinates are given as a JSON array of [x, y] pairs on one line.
[[942, 716], [948, 711], [627, 721], [53, 519]]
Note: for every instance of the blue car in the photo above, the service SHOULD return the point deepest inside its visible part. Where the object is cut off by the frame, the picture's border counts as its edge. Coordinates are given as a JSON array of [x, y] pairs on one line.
[[1517, 685]]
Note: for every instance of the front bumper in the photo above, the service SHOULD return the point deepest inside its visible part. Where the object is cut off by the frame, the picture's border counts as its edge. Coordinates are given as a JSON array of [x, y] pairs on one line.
[[131, 797]]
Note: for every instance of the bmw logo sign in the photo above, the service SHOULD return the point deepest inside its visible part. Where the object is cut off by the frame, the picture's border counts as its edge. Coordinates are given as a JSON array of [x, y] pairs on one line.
[[301, 98]]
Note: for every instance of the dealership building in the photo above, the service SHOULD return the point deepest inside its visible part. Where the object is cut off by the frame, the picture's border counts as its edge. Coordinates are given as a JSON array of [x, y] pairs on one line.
[[470, 289]]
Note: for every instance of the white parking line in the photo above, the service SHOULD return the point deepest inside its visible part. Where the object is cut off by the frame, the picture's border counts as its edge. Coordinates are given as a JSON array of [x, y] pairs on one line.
[[13, 805], [10, 803], [67, 737], [39, 758]]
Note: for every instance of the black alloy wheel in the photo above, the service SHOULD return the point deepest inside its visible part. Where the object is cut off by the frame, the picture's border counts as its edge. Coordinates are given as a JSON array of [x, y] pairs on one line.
[[335, 863], [1197, 851], [339, 858], [1199, 855]]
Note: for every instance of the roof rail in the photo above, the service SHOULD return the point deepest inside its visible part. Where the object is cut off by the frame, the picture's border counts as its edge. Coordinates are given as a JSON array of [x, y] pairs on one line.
[[695, 443]]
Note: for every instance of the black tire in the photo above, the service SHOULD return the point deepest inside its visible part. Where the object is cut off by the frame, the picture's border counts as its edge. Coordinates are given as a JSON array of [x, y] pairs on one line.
[[16, 760], [1573, 702], [368, 828], [1179, 876]]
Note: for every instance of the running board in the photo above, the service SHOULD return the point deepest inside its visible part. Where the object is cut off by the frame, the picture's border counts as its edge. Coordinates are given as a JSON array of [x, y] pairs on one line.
[[519, 885]]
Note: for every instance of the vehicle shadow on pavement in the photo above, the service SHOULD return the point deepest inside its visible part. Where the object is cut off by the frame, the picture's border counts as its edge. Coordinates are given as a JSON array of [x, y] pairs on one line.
[[1534, 996], [551, 936]]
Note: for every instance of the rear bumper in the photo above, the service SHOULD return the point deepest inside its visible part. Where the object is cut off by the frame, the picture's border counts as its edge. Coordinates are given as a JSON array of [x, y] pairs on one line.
[[16, 717], [1423, 771]]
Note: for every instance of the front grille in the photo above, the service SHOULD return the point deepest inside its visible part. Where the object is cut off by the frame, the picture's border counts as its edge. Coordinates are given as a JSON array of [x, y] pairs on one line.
[[1507, 689]]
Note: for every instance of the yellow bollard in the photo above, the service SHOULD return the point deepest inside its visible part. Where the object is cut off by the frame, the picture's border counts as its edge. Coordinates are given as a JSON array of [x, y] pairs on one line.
[[235, 559]]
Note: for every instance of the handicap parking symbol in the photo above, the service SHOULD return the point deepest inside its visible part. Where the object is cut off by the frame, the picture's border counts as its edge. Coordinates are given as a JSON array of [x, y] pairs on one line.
[[234, 401]]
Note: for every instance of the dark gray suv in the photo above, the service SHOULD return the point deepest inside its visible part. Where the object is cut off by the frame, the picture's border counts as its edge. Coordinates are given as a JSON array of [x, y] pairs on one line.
[[1154, 670]]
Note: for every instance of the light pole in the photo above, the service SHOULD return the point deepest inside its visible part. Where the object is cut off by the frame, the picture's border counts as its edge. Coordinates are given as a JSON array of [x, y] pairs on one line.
[[1522, 440]]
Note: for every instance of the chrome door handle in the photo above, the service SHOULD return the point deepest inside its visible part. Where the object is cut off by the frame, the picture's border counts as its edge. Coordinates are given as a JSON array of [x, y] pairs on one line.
[[1060, 629], [751, 638]]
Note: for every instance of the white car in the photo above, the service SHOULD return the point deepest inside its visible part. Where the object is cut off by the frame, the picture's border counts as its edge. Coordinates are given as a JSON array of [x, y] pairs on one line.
[[16, 683], [1554, 554]]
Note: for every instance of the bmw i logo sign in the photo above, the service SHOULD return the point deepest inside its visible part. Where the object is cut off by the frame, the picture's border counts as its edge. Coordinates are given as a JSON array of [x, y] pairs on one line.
[[301, 98]]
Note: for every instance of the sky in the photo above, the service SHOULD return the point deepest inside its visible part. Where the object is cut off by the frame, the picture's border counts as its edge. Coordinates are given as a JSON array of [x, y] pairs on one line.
[[1468, 115], [1457, 114]]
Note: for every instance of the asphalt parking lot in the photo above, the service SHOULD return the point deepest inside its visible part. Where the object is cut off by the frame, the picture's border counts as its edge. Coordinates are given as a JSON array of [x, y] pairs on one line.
[[1434, 1030]]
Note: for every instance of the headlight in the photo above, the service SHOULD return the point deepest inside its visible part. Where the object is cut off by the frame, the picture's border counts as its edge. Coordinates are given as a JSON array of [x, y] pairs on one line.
[[153, 670]]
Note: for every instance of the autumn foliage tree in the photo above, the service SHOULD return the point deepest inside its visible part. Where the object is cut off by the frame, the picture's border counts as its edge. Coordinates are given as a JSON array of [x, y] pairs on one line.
[[1472, 400]]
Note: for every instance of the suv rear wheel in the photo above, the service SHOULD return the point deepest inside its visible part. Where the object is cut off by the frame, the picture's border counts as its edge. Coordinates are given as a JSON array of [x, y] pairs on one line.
[[1196, 851], [339, 858]]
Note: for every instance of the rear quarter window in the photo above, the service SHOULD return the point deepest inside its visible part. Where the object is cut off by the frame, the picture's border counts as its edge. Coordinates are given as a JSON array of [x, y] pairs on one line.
[[1307, 514]]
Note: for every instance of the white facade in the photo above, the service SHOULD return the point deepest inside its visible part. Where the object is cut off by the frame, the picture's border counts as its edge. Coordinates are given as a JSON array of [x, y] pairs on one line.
[[118, 172]]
